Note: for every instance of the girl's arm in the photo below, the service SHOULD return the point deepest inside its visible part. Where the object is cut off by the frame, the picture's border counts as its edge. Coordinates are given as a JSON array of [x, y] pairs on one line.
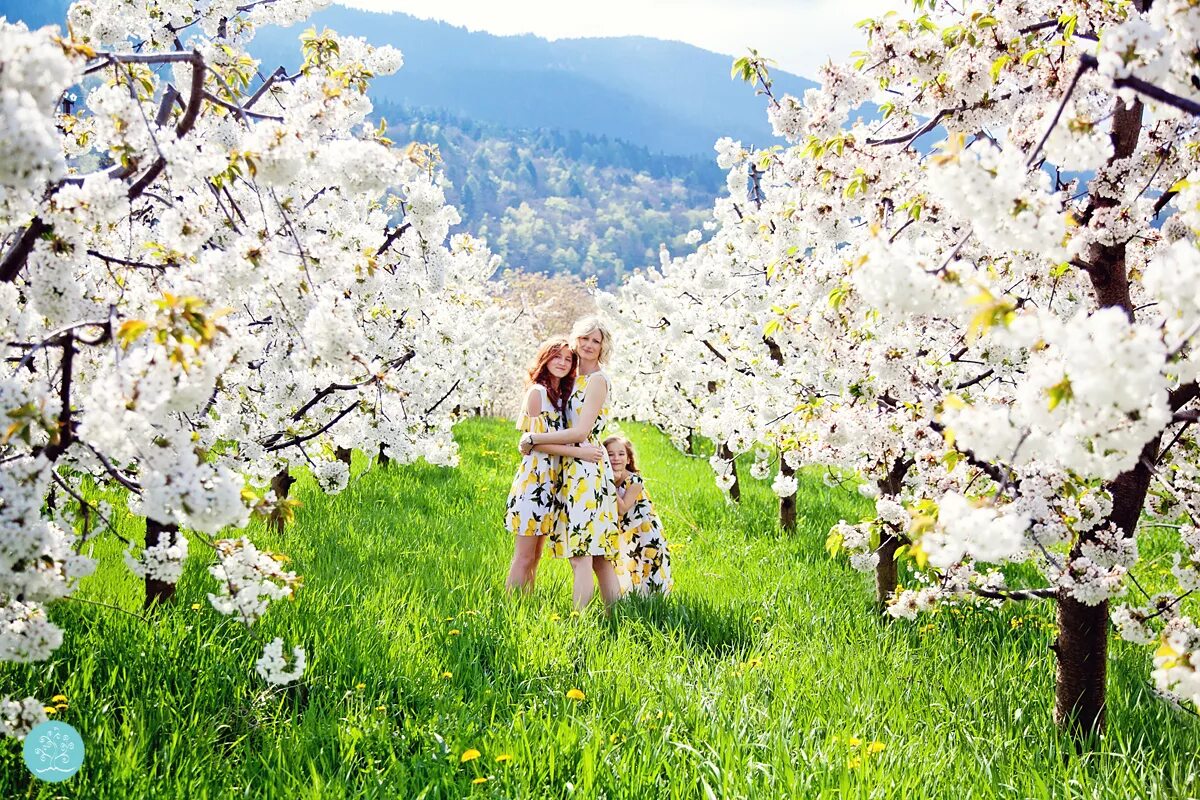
[[632, 493], [593, 400]]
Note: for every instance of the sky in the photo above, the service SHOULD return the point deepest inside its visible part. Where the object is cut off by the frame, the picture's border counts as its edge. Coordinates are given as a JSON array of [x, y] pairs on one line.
[[798, 34]]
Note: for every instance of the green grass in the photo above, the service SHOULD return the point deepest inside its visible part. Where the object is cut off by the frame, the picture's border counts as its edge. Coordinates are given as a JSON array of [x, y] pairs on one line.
[[747, 682]]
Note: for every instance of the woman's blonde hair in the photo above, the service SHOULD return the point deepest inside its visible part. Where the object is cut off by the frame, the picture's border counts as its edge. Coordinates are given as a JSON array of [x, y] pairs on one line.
[[586, 325], [630, 455]]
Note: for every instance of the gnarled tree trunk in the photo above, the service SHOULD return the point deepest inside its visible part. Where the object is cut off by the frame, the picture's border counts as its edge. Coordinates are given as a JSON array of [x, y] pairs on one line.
[[887, 577], [281, 484], [735, 491], [787, 505]]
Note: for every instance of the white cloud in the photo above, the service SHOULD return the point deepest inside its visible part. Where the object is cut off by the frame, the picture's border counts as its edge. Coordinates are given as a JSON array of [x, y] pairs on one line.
[[799, 34]]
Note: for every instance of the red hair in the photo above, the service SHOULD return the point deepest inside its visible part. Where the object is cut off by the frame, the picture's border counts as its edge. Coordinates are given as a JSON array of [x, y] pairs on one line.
[[557, 389]]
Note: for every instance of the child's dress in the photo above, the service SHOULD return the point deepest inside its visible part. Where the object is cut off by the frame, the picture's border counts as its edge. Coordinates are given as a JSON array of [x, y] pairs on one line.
[[650, 570], [533, 502], [588, 495]]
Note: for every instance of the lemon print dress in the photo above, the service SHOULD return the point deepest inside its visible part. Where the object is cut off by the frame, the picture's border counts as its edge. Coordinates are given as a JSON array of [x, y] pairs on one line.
[[533, 501], [650, 571], [588, 504]]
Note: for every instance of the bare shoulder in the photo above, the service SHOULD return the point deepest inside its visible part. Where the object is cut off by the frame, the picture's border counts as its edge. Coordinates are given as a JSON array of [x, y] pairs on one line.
[[533, 399], [598, 379]]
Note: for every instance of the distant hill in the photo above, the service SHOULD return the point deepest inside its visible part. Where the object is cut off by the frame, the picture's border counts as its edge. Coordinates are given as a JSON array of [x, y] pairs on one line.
[[666, 96], [564, 202], [578, 156]]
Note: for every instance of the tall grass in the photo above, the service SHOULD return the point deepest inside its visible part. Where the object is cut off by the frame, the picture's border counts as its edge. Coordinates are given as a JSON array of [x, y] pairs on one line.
[[766, 674]]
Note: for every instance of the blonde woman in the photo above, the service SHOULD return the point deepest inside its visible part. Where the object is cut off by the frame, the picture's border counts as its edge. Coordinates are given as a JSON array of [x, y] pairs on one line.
[[590, 537], [533, 512]]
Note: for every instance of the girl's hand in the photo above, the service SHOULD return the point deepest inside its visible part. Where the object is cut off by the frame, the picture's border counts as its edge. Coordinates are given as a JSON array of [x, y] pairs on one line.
[[591, 452], [526, 444]]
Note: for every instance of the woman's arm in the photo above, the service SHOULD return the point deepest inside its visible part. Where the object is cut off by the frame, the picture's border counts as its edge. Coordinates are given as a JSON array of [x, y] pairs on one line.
[[632, 493], [581, 452], [593, 400], [587, 452]]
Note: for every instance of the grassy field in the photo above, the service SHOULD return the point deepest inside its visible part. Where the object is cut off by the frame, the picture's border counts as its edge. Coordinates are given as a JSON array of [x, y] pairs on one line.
[[766, 675]]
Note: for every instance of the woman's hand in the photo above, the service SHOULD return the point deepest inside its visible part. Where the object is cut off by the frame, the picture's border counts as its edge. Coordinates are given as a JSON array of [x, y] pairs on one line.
[[526, 444], [591, 452]]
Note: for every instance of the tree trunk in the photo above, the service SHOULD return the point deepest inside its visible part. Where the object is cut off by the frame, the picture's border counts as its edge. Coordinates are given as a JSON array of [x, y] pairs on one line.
[[282, 484], [343, 454], [735, 491], [383, 457], [1082, 644], [691, 440], [158, 592], [1082, 650], [887, 576], [787, 505]]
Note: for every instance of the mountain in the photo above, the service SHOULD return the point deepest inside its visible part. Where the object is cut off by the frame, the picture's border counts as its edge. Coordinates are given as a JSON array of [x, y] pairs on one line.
[[666, 96], [577, 156], [564, 202]]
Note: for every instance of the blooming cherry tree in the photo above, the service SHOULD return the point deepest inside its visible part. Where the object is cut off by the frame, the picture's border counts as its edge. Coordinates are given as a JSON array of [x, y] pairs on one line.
[[208, 275], [996, 336]]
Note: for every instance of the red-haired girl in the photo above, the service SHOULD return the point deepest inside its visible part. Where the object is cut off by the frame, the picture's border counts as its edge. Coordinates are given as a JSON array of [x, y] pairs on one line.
[[533, 510]]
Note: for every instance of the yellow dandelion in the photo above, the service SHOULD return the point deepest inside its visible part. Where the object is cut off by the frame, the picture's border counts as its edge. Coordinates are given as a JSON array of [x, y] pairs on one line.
[[555, 617], [381, 708], [854, 741], [447, 674], [500, 759], [479, 780], [61, 706], [455, 631], [574, 613], [469, 755], [757, 620], [49, 709], [449, 619], [574, 694], [58, 698], [360, 686], [876, 747], [195, 606], [854, 763]]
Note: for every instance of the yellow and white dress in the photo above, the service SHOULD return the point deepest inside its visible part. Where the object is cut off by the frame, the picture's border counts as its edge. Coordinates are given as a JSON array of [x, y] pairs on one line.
[[533, 501], [651, 569], [588, 497]]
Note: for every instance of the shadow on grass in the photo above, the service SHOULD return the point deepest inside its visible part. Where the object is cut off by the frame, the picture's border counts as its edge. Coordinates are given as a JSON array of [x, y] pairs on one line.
[[718, 630]]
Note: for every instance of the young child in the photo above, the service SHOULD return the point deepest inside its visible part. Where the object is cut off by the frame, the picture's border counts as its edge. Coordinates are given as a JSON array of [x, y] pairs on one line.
[[651, 561]]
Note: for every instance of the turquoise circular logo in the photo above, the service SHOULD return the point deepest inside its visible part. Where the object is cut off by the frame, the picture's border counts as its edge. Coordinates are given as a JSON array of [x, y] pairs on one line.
[[53, 751]]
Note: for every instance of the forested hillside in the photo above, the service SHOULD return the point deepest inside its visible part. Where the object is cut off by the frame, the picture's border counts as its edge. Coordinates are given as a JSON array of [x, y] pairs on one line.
[[561, 201]]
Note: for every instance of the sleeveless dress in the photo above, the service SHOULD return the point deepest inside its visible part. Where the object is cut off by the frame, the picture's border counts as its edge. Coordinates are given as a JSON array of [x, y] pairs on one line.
[[588, 496], [651, 567], [533, 501]]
